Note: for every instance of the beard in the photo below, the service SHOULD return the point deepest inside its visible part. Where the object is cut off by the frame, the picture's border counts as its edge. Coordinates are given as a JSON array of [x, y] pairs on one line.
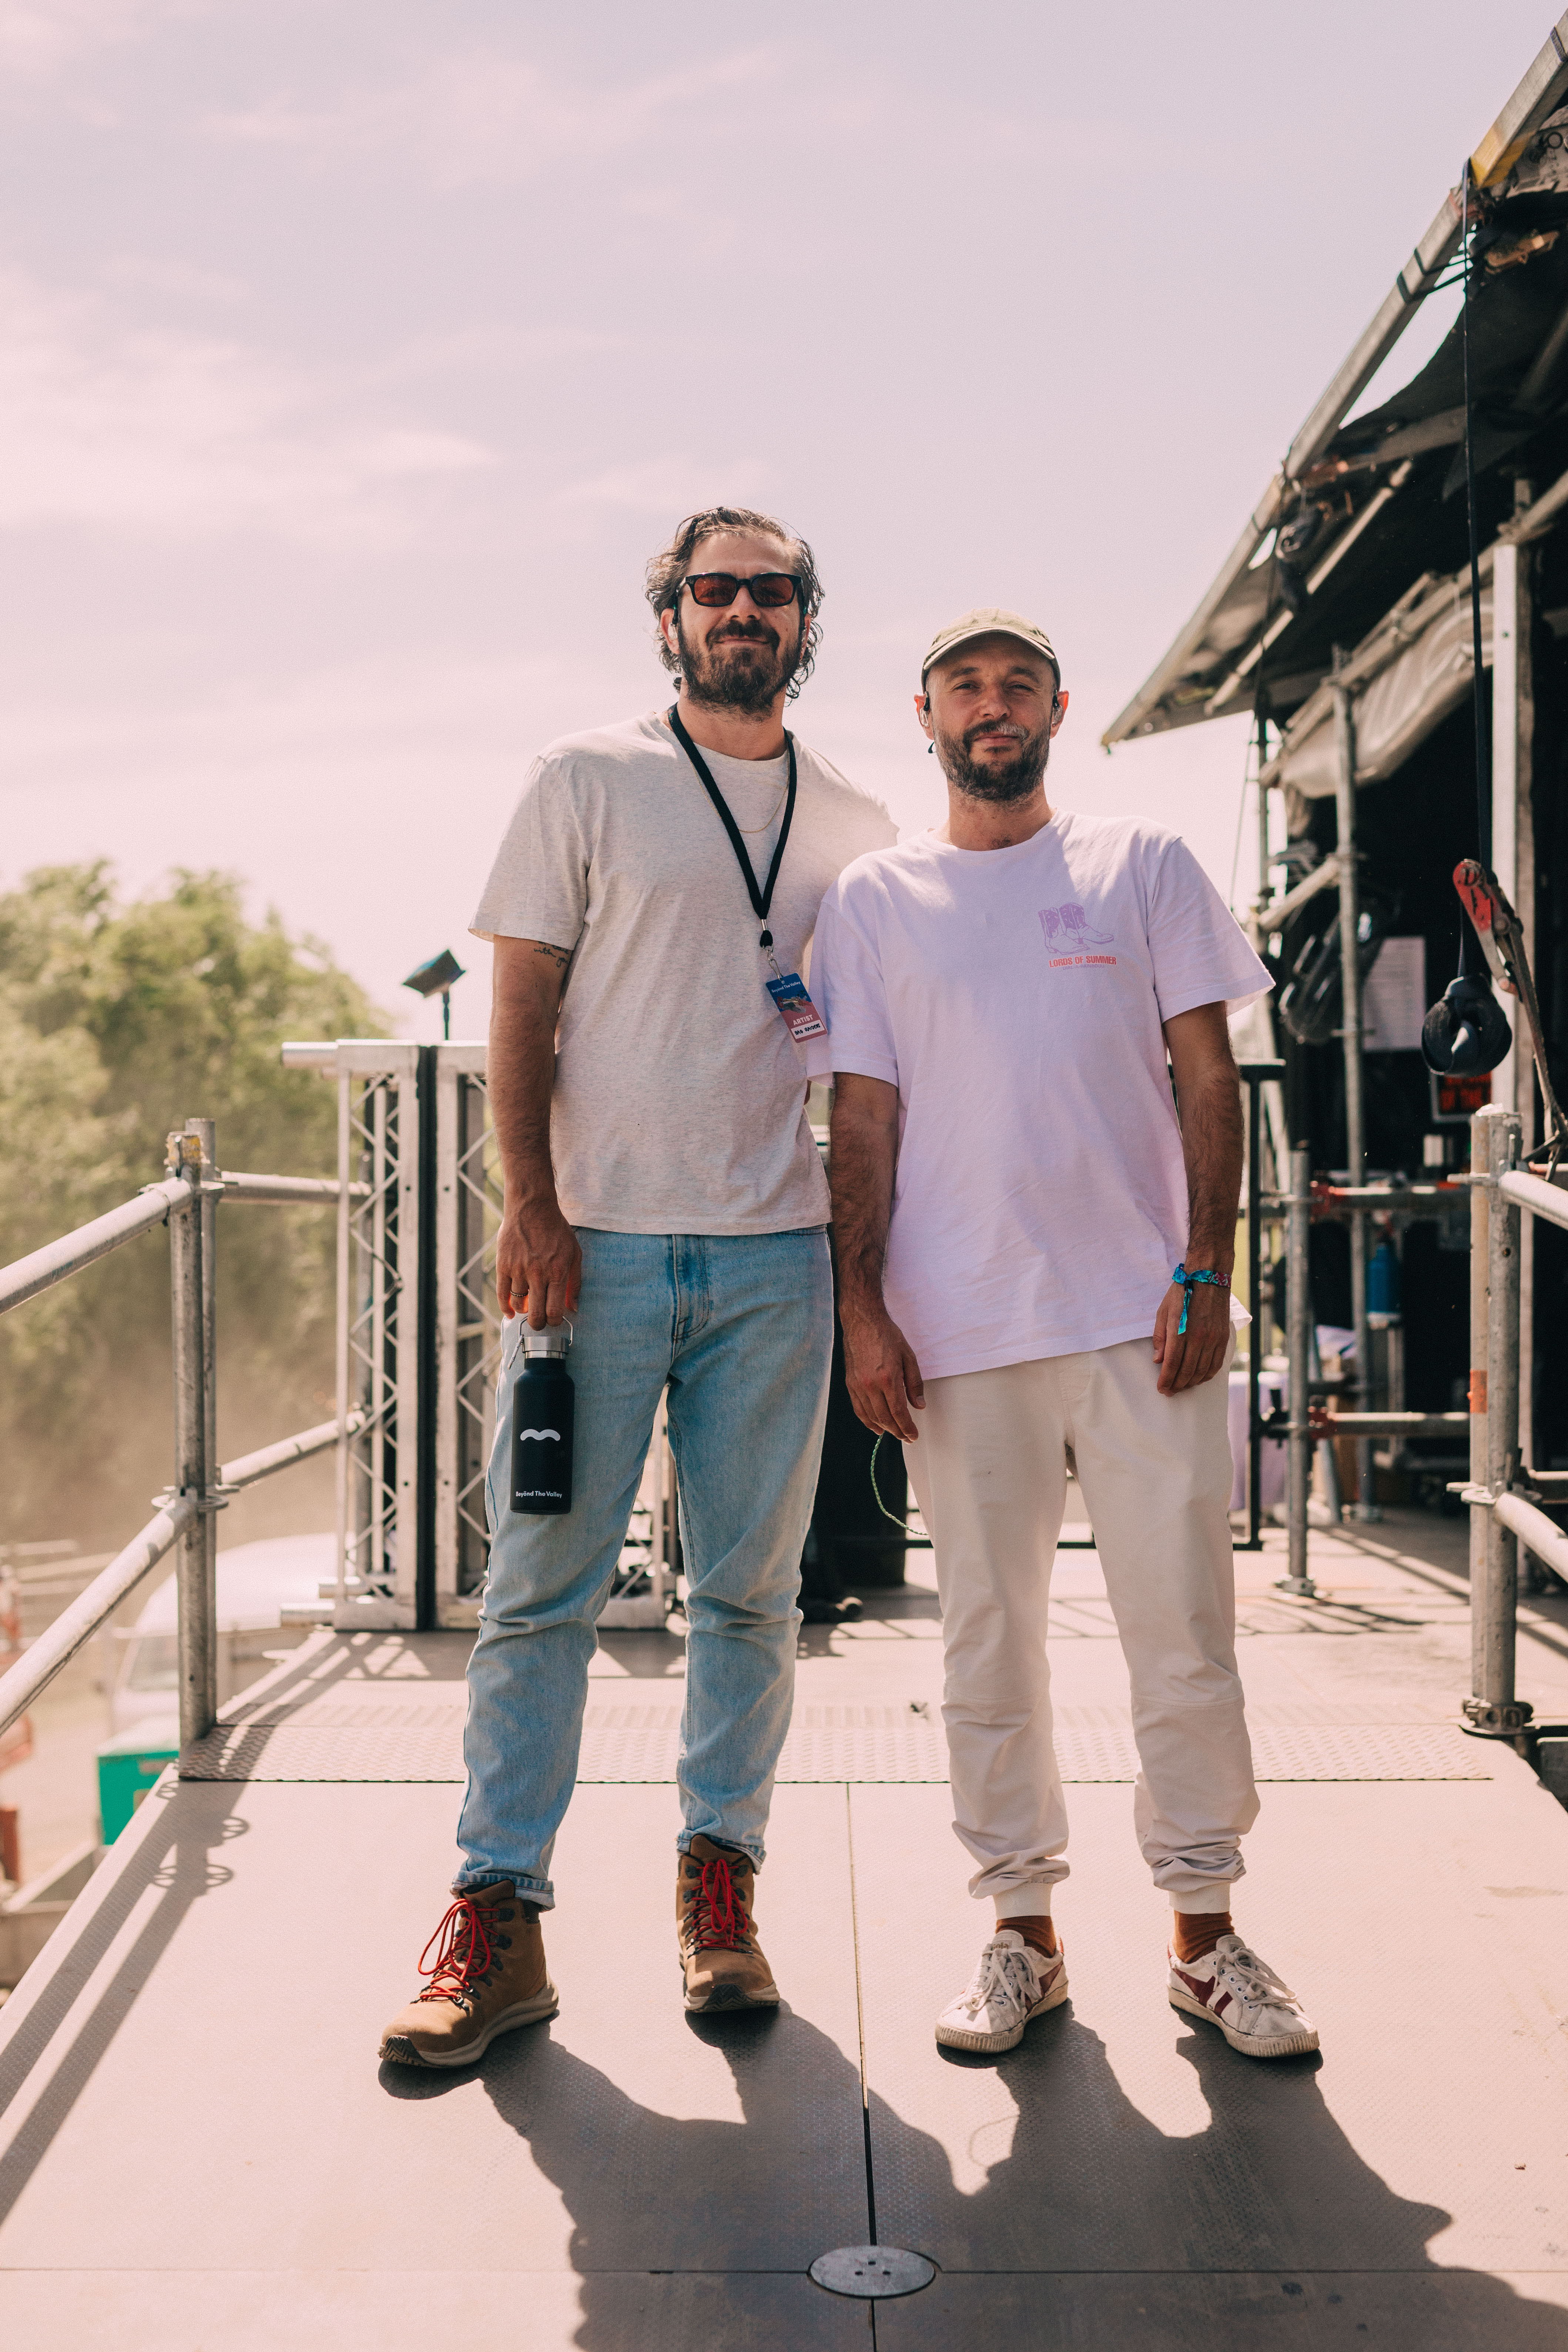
[[1015, 780], [745, 670]]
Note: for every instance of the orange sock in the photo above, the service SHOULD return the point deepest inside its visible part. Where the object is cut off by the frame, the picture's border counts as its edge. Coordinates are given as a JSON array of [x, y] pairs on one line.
[[1197, 1933], [1035, 1928]]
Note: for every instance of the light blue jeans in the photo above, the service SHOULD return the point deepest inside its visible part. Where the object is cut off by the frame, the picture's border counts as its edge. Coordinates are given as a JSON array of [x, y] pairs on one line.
[[740, 1328]]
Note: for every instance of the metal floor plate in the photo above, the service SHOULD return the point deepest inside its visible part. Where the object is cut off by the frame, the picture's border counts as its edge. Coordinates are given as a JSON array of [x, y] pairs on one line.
[[364, 1740], [1412, 2310], [636, 2180], [622, 2140], [1123, 2136], [402, 2310]]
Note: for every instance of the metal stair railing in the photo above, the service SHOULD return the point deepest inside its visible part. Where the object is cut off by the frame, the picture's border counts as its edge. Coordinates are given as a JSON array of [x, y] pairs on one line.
[[1503, 1491], [185, 1201]]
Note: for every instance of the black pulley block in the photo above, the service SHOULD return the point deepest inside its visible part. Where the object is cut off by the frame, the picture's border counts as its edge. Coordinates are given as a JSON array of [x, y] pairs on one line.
[[1466, 1032]]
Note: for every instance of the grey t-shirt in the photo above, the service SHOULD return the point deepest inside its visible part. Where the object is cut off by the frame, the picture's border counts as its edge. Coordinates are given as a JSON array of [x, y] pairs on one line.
[[678, 1105]]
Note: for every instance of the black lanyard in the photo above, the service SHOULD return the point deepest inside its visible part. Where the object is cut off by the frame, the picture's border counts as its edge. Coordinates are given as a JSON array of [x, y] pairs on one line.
[[763, 898]]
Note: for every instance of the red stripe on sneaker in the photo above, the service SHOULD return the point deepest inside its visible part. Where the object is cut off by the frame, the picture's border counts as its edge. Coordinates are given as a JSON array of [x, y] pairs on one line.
[[1196, 1984], [1220, 2005]]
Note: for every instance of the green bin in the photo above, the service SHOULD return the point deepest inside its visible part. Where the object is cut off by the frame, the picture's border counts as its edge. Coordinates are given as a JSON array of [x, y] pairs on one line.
[[127, 1767]]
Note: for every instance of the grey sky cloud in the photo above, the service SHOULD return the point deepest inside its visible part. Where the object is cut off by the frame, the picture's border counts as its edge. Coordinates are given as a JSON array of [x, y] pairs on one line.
[[40, 38], [486, 117], [173, 433], [672, 486]]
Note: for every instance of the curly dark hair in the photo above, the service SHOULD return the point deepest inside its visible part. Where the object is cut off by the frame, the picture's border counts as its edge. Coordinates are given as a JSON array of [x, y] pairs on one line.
[[669, 568]]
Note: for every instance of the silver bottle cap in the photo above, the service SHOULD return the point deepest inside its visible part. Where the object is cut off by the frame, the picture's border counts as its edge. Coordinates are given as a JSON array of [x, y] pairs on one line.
[[554, 1341]]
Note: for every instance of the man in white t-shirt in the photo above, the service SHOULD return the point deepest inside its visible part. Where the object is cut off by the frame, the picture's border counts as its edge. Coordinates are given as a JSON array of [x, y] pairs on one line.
[[655, 892], [1012, 1186]]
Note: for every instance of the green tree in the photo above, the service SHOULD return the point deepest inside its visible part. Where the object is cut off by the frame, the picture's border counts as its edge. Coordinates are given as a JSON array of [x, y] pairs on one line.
[[118, 1021]]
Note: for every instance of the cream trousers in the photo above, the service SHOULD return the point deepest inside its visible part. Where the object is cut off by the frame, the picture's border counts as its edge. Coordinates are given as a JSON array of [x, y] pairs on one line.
[[990, 1473]]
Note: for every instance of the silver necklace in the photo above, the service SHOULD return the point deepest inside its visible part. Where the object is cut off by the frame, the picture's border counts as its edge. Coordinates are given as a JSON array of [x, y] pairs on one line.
[[770, 816]]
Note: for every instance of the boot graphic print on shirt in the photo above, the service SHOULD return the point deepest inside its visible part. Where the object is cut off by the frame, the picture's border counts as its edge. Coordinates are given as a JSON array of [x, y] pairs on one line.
[[1069, 928]]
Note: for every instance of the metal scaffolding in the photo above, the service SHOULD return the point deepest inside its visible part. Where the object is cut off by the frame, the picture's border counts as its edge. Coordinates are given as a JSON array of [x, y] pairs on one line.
[[467, 1333], [465, 1364], [419, 1339]]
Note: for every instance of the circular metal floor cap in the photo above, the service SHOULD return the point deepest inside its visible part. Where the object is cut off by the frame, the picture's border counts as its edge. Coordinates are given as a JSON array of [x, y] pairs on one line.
[[871, 2272]]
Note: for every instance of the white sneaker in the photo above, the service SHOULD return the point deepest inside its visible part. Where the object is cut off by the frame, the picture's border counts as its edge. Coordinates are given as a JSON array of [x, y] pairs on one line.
[[1013, 1983], [1255, 2012]]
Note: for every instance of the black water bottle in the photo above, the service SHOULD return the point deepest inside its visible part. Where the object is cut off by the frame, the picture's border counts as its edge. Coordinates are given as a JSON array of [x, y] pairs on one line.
[[542, 1403]]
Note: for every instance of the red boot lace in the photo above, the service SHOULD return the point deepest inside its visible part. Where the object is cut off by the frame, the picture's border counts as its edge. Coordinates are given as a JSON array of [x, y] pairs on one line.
[[462, 1955], [719, 1920]]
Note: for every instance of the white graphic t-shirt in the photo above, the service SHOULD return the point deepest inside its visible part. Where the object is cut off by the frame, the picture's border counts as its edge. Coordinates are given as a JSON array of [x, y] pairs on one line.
[[1014, 998]]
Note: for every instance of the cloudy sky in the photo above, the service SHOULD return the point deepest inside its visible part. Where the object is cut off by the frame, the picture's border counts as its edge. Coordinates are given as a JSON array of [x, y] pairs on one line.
[[356, 356]]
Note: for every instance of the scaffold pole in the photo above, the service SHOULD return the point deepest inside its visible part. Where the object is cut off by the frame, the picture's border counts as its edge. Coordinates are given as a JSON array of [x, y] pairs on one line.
[[193, 1333]]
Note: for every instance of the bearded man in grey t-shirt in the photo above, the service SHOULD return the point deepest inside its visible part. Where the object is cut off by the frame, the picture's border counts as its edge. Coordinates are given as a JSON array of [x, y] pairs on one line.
[[662, 1190]]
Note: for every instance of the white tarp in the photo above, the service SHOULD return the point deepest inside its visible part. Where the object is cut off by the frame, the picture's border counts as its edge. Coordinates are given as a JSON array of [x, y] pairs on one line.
[[1394, 997], [1403, 704]]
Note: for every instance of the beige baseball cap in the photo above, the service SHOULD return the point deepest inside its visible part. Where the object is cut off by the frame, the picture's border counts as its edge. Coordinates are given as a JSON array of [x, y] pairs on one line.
[[988, 621]]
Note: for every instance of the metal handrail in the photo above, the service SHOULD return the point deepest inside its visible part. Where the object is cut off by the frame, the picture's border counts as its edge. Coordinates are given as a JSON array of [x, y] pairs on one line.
[[267, 1458], [58, 1260], [287, 1190], [1548, 1201], [98, 1602], [153, 1205], [93, 1607], [185, 1201], [1500, 1517], [1522, 1518], [1349, 1199], [1498, 1190], [1543, 1536], [1390, 1424]]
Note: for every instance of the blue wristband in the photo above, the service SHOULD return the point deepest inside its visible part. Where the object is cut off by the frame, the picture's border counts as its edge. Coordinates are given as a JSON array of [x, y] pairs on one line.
[[1189, 1281]]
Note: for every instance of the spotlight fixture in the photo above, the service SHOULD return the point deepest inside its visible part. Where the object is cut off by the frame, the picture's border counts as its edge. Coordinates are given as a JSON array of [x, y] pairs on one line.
[[437, 978]]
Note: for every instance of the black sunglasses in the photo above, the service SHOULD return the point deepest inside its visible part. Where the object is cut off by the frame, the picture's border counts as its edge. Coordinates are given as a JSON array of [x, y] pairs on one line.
[[767, 588]]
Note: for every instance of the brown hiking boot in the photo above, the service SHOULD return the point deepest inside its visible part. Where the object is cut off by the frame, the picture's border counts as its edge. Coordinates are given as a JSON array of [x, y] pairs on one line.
[[487, 1975], [719, 1955]]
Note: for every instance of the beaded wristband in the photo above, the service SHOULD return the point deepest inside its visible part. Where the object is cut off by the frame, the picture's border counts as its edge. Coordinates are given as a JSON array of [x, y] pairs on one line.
[[1189, 1282]]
